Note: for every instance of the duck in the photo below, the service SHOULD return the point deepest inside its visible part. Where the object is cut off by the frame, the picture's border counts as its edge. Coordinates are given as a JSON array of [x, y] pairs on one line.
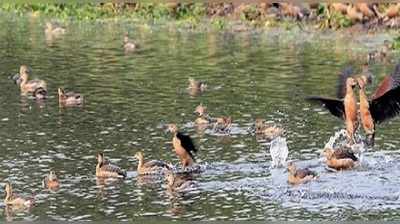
[[129, 45], [340, 159], [54, 29], [366, 9], [268, 131], [15, 200], [353, 14], [150, 167], [178, 182], [105, 169], [383, 105], [380, 54], [26, 85], [392, 11], [345, 105], [197, 85], [299, 176], [203, 118], [40, 93], [223, 124], [69, 98], [339, 7], [51, 181], [183, 146]]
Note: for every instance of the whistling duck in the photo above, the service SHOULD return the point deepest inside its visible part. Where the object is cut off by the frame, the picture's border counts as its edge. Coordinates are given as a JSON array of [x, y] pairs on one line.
[[14, 200], [53, 29], [183, 146], [339, 7], [345, 106], [203, 117], [69, 98], [340, 159], [197, 85], [392, 11], [26, 85], [105, 169], [223, 124], [291, 10], [384, 103], [366, 9], [51, 181], [178, 182], [150, 167], [128, 45], [353, 14], [262, 128], [299, 176]]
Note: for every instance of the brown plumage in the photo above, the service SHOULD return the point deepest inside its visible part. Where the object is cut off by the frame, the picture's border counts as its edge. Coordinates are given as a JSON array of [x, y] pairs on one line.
[[223, 124], [203, 118], [105, 169], [150, 167], [178, 182], [299, 176], [340, 159], [128, 44], [197, 85], [12, 199], [345, 108], [366, 9], [353, 14], [69, 99], [266, 130], [51, 181], [183, 145], [26, 85], [339, 7], [392, 11]]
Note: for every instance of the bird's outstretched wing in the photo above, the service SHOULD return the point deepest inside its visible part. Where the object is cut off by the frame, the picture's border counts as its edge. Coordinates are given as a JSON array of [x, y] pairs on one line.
[[386, 106], [335, 106]]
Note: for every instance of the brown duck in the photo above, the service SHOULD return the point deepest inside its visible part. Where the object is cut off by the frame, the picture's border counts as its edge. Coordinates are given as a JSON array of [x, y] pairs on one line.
[[299, 176], [15, 200], [340, 159], [150, 167], [68, 99], [51, 181], [105, 169], [183, 145]]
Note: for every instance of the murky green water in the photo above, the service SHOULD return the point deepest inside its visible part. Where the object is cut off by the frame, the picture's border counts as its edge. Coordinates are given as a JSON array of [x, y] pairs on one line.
[[128, 98]]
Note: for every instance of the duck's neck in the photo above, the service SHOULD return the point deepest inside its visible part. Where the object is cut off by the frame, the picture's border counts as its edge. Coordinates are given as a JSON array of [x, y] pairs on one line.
[[140, 164], [8, 195]]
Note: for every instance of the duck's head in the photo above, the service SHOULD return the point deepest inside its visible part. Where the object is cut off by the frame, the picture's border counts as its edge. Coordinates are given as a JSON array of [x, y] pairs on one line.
[[291, 167], [259, 123], [61, 92], [200, 110], [24, 72], [172, 128], [49, 25], [52, 175], [328, 153], [8, 188], [351, 82], [139, 155], [100, 157]]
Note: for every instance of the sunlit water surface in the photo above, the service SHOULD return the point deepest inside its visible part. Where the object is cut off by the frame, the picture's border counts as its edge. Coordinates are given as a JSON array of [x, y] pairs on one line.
[[129, 98]]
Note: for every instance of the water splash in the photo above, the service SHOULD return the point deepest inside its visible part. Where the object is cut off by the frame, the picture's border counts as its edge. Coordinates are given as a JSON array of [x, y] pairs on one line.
[[337, 140], [279, 152]]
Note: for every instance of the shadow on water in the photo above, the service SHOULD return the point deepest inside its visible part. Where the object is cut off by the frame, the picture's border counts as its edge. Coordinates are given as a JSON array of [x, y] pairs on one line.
[[127, 96]]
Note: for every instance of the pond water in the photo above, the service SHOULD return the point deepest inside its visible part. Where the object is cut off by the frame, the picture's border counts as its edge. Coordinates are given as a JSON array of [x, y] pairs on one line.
[[129, 98]]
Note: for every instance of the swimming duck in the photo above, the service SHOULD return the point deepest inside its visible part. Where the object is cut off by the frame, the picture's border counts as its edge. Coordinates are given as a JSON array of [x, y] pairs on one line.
[[51, 181], [178, 182], [128, 45], [345, 106], [26, 85], [14, 200], [40, 93], [223, 124], [197, 85], [69, 98], [150, 167], [105, 169], [383, 105], [268, 131], [299, 176], [54, 29], [183, 145], [203, 117], [340, 159]]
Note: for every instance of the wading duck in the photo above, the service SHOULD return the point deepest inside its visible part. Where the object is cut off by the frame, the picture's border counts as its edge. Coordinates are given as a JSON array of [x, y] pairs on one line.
[[15, 200], [179, 182], [299, 176], [128, 44], [340, 159], [383, 105], [53, 29], [345, 106], [51, 181], [105, 169], [183, 145], [203, 117], [26, 85], [69, 98], [150, 167], [266, 130]]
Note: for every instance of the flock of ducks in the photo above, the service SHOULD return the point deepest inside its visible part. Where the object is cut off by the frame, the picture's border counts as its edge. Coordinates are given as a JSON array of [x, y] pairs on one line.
[[384, 104]]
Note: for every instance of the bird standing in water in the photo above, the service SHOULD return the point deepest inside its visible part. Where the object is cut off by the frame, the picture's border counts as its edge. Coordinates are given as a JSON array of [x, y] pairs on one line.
[[183, 145]]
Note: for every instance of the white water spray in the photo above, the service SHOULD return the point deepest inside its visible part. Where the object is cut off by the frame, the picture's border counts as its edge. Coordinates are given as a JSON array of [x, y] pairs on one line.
[[279, 152]]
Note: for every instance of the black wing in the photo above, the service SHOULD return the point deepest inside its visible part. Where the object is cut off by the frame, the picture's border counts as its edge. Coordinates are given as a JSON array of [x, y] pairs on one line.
[[187, 143], [386, 106], [389, 82], [335, 106], [341, 87], [302, 173], [345, 154]]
